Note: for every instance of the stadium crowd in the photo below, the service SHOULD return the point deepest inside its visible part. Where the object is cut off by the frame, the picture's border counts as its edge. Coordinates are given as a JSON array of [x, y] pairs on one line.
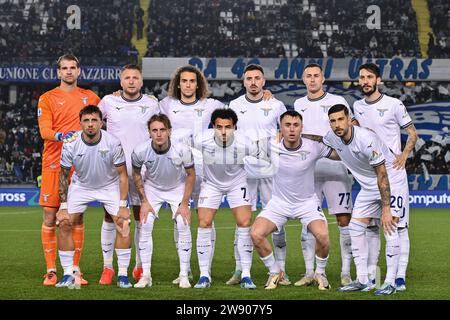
[[40, 31], [439, 43]]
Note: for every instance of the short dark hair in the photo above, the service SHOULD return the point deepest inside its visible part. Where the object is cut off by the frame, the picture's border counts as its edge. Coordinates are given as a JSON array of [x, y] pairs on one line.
[[160, 117], [67, 56], [291, 113], [371, 67], [253, 66], [91, 109], [131, 67], [313, 65], [338, 108], [224, 113]]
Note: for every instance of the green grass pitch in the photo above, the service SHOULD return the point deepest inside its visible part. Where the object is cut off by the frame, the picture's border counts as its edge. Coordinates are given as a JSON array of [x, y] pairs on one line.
[[22, 262]]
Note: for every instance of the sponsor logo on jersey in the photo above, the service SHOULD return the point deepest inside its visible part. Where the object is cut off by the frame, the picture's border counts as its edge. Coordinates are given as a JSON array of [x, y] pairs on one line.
[[175, 111], [84, 99], [39, 112], [61, 103], [382, 111], [356, 153], [243, 111], [303, 110], [119, 108], [375, 155]]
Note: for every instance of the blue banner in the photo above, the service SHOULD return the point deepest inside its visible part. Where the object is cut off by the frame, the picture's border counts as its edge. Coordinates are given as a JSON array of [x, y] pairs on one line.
[[25, 197], [41, 73]]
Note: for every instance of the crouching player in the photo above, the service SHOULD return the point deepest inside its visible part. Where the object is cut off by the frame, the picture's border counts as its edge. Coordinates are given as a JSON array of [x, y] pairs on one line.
[[100, 175], [170, 178], [293, 159]]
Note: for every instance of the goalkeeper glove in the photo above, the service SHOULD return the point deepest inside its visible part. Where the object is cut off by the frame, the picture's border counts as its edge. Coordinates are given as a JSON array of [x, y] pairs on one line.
[[66, 136]]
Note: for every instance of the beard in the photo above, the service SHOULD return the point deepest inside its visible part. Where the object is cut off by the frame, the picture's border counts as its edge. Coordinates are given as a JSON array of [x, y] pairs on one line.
[[369, 93]]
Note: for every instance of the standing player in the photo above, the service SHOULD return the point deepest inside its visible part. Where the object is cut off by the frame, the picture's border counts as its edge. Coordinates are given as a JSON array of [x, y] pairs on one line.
[[223, 152], [259, 119], [189, 110], [386, 116], [372, 164], [169, 177], [331, 177], [100, 175], [58, 118], [126, 117], [294, 159]]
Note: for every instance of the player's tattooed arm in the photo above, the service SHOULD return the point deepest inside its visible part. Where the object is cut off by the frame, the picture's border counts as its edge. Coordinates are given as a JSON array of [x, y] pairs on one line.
[[385, 193], [313, 137], [63, 184], [401, 158], [137, 178]]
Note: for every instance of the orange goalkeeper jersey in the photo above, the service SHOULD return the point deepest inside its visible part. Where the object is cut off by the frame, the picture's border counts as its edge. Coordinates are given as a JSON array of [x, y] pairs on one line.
[[58, 111]]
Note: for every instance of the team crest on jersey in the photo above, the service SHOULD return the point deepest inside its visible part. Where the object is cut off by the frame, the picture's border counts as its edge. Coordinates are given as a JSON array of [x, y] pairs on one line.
[[382, 111], [266, 110], [144, 108], [199, 111], [325, 108], [304, 155], [84, 99], [103, 153], [45, 197], [356, 153]]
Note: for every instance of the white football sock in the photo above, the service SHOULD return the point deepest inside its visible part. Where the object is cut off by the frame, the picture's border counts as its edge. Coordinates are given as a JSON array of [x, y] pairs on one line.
[[137, 233], [270, 263], [66, 259], [392, 255], [123, 261], [404, 252], [204, 251], [184, 246], [108, 238], [346, 249], [321, 264], [213, 246], [146, 244], [245, 248], [359, 249], [374, 244], [279, 248], [308, 249], [237, 258]]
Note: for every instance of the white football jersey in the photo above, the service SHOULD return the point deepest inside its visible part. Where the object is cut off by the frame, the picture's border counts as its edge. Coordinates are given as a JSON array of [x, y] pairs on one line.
[[164, 171], [362, 154], [293, 182], [315, 112], [223, 167], [258, 119], [386, 116], [127, 120], [315, 121], [94, 164], [188, 119]]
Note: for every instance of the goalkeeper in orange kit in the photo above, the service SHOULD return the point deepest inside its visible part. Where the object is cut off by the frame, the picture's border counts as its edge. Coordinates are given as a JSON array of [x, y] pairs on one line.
[[58, 117]]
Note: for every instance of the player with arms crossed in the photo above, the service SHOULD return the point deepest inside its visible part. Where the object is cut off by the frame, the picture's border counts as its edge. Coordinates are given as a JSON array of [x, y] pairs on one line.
[[259, 119], [331, 177], [170, 178], [386, 116], [372, 164], [294, 160], [100, 175], [223, 152], [58, 118], [126, 118]]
